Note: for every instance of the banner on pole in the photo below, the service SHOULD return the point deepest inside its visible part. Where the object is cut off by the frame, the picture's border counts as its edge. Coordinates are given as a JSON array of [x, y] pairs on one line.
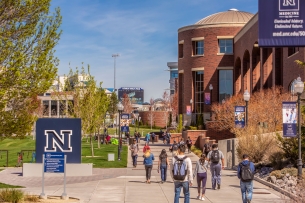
[[125, 122], [239, 116], [188, 110], [207, 98], [289, 119]]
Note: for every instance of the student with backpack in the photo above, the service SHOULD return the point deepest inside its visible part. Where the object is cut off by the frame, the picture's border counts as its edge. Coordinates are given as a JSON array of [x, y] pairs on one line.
[[162, 165], [147, 138], [245, 173], [182, 174], [217, 164], [201, 172], [134, 148], [153, 136], [174, 148], [189, 144], [148, 162], [206, 149]]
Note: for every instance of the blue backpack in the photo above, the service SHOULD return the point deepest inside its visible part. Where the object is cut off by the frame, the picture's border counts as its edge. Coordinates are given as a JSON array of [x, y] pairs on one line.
[[180, 168]]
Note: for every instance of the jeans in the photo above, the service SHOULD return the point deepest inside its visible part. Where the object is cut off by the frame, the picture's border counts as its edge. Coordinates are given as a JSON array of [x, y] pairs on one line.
[[148, 169], [163, 169], [246, 187], [201, 178], [186, 191], [134, 160], [216, 176]]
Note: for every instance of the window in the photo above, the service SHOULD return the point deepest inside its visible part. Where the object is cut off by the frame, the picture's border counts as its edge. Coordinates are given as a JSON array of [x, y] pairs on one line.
[[225, 84], [292, 50], [198, 47], [174, 74], [226, 46], [181, 48], [199, 93]]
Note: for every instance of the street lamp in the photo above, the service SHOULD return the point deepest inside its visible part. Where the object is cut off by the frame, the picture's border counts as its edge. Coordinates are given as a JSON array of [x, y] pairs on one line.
[[246, 98], [211, 89], [191, 102], [136, 113], [299, 88], [114, 56], [120, 109]]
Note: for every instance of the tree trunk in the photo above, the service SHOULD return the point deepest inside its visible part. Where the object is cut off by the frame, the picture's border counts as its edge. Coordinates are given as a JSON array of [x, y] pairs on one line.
[[98, 139], [91, 143]]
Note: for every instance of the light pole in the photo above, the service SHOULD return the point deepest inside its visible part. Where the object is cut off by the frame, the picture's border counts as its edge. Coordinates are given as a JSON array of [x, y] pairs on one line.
[[246, 98], [136, 113], [120, 109], [191, 102], [211, 89], [114, 56], [299, 88]]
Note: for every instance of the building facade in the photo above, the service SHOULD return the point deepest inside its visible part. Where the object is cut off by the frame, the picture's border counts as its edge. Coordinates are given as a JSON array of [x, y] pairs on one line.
[[219, 57], [173, 76]]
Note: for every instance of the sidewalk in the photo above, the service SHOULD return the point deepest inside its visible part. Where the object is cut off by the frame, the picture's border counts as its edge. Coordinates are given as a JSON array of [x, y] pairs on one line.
[[128, 185]]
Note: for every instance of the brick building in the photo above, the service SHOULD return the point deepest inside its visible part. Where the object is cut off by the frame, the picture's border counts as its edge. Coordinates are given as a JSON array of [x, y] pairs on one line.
[[219, 57]]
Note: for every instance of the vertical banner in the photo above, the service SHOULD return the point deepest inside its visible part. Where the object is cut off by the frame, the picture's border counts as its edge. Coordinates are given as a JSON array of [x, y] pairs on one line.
[[188, 110], [289, 119], [281, 23], [124, 122], [239, 116], [207, 98]]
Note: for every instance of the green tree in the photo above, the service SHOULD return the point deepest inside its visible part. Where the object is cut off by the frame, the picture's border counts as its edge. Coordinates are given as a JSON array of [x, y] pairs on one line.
[[28, 35]]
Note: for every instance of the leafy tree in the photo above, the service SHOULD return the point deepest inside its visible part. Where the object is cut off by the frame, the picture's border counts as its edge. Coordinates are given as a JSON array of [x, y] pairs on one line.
[[126, 103], [28, 35], [112, 108]]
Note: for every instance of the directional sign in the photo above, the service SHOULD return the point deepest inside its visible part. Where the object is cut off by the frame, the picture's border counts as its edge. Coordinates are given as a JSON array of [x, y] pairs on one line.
[[54, 162]]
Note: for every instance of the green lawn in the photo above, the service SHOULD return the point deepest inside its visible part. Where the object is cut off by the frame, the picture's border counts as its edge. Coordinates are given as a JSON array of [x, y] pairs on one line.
[[16, 145], [143, 131], [2, 185]]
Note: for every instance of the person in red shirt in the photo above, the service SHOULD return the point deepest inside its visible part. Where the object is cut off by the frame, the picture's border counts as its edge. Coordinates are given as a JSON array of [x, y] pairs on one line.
[[146, 147]]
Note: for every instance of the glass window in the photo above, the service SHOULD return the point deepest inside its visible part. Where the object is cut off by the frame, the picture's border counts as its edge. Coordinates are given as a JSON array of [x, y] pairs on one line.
[[198, 47], [225, 84], [226, 46], [180, 50], [199, 93]]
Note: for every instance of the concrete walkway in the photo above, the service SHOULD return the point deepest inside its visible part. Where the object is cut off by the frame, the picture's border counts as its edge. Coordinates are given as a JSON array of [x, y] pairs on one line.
[[128, 185]]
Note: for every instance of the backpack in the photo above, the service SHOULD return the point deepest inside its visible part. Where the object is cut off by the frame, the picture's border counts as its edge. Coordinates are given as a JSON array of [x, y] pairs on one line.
[[246, 174], [179, 168], [215, 156], [175, 147], [207, 148]]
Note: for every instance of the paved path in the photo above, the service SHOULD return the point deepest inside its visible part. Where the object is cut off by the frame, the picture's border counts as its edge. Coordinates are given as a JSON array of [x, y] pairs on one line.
[[127, 185]]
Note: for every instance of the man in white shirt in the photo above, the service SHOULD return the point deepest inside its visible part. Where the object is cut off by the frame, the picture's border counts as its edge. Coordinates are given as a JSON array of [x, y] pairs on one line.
[[182, 178]]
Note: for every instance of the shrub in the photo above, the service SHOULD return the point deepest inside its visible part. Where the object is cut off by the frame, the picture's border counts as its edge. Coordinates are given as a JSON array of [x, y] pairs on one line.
[[11, 195], [31, 198], [291, 171], [277, 160], [196, 151]]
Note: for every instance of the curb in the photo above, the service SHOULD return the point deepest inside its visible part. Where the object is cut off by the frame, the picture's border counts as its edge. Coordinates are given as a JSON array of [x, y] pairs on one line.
[[280, 190]]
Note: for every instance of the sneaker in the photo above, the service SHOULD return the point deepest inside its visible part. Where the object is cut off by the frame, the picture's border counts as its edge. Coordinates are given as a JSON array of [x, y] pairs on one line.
[[248, 201], [198, 197], [202, 199], [218, 186]]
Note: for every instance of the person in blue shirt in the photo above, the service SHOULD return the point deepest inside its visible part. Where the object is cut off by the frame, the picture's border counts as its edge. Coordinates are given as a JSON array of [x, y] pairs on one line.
[[148, 163], [147, 138], [246, 186]]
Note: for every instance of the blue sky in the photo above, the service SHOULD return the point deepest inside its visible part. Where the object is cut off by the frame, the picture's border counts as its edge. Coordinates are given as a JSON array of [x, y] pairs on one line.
[[143, 32]]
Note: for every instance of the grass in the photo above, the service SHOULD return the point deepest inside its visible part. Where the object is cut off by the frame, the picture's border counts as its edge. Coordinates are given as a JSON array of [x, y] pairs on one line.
[[143, 131], [101, 161], [3, 185]]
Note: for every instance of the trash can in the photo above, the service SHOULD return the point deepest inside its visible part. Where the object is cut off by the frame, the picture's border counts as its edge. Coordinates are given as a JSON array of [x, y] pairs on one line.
[[110, 157]]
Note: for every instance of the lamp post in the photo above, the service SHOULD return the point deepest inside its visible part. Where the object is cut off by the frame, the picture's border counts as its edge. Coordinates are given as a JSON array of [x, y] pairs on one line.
[[299, 88], [120, 109], [246, 98], [136, 112], [114, 56], [191, 102], [211, 89]]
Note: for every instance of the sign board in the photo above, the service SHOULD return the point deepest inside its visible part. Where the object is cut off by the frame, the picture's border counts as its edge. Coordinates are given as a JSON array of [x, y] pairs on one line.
[[54, 162], [239, 116], [207, 98], [289, 119], [135, 94], [281, 23], [188, 110], [59, 135], [125, 122]]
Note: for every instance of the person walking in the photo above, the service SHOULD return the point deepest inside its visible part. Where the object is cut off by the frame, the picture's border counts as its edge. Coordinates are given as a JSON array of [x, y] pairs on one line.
[[189, 144], [134, 148], [174, 148], [147, 138], [201, 172], [153, 136], [206, 148], [145, 147], [245, 173], [217, 164], [182, 174], [148, 162], [162, 165]]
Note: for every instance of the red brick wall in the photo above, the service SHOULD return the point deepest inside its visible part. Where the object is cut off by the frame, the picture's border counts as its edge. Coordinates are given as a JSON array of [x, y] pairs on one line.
[[218, 135], [158, 117]]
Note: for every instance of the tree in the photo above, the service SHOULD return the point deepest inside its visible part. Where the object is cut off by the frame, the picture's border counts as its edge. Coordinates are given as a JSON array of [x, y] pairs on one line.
[[126, 103], [174, 106], [28, 35], [112, 108]]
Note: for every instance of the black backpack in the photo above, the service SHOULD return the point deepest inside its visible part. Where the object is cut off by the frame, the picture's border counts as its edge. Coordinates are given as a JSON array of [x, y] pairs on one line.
[[246, 174], [215, 158], [179, 168], [175, 147], [207, 148]]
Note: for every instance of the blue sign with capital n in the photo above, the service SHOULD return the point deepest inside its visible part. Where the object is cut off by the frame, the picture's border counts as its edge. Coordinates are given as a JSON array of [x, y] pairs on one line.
[[59, 135]]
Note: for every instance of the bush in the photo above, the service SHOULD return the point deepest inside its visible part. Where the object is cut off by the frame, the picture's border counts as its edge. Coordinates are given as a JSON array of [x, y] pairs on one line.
[[277, 160], [196, 151], [279, 174], [11, 195], [31, 198]]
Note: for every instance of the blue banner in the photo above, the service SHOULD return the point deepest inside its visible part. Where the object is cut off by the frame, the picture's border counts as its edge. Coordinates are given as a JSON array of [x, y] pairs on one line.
[[281, 23], [240, 116], [54, 162], [59, 135], [290, 119]]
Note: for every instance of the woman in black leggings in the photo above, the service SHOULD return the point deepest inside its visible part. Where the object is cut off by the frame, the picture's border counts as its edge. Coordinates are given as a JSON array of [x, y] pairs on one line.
[[201, 171]]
